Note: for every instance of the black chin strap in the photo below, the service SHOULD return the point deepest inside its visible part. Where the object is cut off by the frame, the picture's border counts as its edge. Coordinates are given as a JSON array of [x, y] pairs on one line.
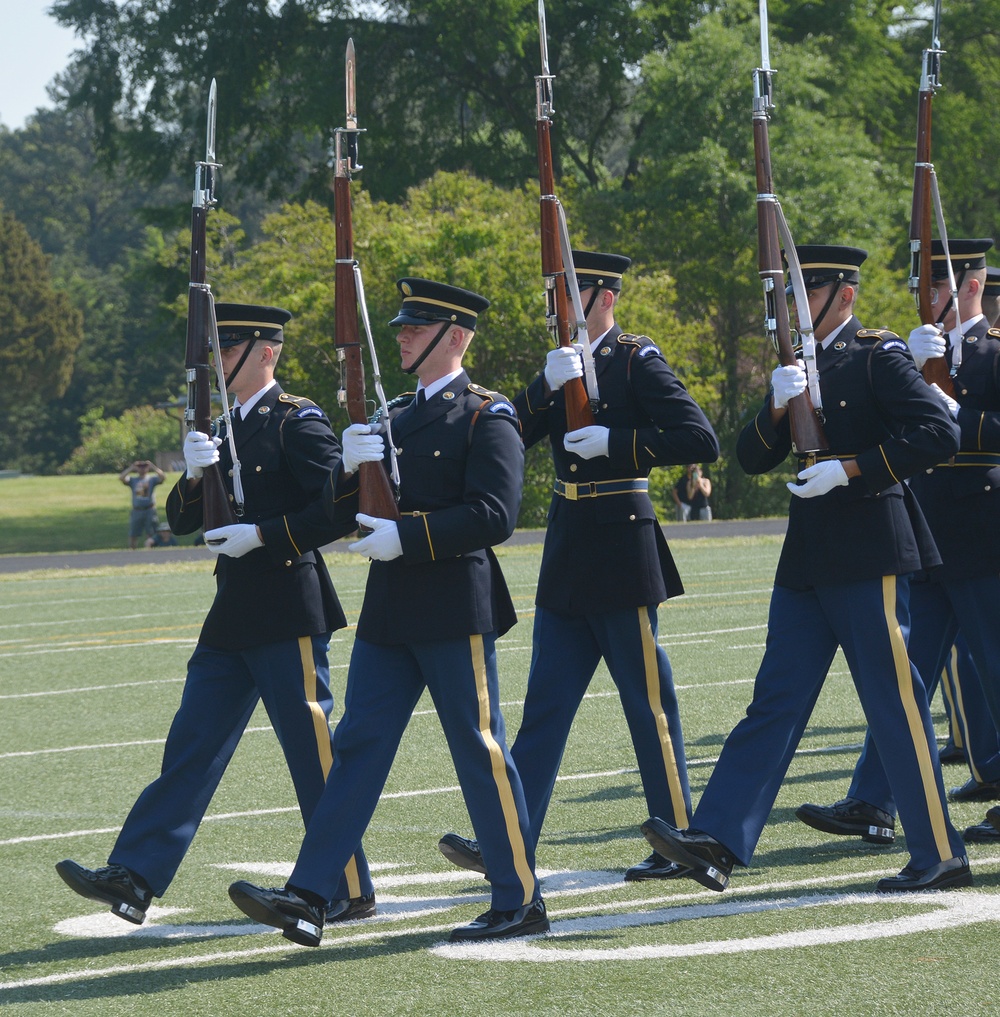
[[240, 362], [423, 356], [947, 307], [829, 302]]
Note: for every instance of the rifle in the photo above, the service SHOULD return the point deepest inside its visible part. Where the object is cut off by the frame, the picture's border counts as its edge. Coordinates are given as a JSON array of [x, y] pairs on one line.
[[201, 329], [375, 490], [925, 195], [580, 405], [805, 410]]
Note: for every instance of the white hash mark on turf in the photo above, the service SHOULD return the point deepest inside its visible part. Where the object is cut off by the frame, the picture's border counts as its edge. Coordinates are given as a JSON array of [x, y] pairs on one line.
[[943, 910]]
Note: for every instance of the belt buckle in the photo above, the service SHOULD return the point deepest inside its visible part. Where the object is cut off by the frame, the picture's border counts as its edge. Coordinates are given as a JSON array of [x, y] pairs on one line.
[[569, 490]]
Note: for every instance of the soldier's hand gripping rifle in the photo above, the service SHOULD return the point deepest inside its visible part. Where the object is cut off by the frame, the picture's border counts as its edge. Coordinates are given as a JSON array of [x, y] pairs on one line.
[[580, 394], [925, 198], [202, 336], [805, 410], [375, 491]]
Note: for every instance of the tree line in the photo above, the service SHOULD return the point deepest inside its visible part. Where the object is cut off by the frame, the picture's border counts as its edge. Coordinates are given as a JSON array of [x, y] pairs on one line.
[[653, 148]]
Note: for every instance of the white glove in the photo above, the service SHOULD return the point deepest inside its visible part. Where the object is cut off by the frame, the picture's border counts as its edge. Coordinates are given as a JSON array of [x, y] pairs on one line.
[[819, 479], [360, 446], [382, 543], [787, 382], [587, 442], [235, 540], [563, 364], [926, 343], [199, 451], [952, 405]]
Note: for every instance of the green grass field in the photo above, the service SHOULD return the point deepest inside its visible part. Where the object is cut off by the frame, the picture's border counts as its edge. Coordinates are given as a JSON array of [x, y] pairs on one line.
[[91, 668], [76, 513]]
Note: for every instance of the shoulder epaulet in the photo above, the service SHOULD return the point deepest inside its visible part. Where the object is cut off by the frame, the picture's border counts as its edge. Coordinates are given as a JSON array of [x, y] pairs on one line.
[[995, 332], [301, 406], [493, 403], [403, 399], [642, 345], [877, 334]]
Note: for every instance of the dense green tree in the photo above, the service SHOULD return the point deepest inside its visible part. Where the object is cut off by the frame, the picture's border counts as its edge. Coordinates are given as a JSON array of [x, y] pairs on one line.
[[457, 229], [40, 332]]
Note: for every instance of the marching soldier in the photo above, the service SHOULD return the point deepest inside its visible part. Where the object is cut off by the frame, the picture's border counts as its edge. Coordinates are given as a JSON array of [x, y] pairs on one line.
[[266, 635], [854, 536], [605, 565], [435, 604], [960, 496]]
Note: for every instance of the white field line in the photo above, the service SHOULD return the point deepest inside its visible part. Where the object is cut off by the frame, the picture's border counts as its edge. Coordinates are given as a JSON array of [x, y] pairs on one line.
[[735, 900], [388, 795]]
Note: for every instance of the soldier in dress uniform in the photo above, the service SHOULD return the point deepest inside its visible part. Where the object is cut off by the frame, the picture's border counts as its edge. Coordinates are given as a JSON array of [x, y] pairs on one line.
[[960, 497], [266, 635], [605, 564], [855, 534], [435, 604]]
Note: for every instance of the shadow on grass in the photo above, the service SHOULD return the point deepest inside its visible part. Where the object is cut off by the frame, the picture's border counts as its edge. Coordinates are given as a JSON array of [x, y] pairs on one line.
[[144, 982]]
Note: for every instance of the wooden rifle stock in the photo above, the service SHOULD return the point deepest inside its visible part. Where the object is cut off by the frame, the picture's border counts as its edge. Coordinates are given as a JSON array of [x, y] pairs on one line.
[[375, 489], [807, 432], [578, 411], [935, 371], [217, 508]]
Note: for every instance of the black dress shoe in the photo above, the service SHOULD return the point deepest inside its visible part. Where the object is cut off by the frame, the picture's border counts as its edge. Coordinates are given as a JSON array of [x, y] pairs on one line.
[[976, 791], [655, 867], [850, 818], [462, 852], [709, 862], [982, 833], [993, 816], [951, 753], [350, 909], [126, 892], [525, 921], [944, 876], [299, 921]]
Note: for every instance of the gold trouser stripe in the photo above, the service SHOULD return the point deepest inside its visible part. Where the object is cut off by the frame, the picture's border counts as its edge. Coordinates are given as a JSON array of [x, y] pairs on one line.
[[499, 767], [959, 720], [656, 706], [321, 728], [951, 689], [918, 738]]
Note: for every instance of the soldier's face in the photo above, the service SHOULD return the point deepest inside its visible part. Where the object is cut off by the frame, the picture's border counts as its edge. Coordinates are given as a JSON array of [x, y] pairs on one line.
[[413, 340]]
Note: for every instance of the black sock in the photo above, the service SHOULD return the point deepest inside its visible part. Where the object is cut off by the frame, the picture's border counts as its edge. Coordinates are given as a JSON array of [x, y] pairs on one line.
[[308, 896]]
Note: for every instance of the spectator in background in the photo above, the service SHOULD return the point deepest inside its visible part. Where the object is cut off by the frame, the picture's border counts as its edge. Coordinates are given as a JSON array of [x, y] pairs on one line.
[[142, 520], [162, 537], [691, 494]]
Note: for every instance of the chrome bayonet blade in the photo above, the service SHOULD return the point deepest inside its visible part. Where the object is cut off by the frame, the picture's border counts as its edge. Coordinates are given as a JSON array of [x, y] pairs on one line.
[[936, 30], [210, 130], [352, 101], [543, 40], [765, 48]]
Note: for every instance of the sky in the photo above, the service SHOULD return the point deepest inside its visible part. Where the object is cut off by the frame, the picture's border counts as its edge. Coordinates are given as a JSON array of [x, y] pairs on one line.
[[33, 50]]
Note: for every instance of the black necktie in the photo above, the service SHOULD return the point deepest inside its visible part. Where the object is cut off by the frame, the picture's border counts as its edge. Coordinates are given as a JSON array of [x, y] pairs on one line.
[[421, 398]]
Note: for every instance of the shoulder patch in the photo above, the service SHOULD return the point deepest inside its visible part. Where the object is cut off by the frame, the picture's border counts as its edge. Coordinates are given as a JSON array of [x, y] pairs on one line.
[[650, 351], [309, 411], [895, 344], [504, 407]]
